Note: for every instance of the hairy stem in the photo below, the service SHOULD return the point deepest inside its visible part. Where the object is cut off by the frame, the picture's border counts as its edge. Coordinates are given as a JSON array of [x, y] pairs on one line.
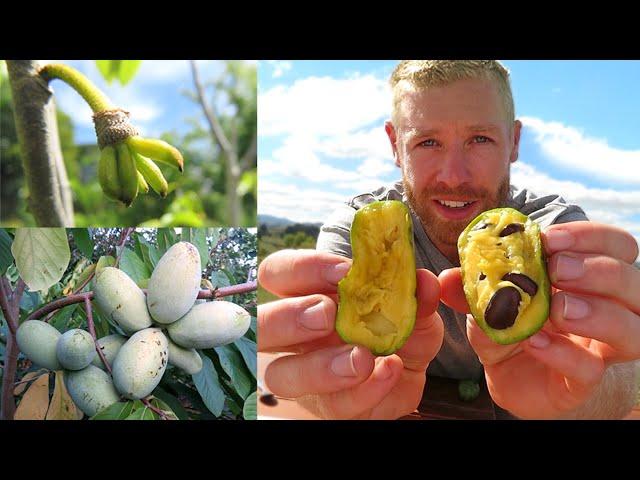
[[81, 84], [50, 200]]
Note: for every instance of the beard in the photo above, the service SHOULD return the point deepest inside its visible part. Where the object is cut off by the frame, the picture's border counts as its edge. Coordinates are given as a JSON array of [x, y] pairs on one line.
[[439, 230]]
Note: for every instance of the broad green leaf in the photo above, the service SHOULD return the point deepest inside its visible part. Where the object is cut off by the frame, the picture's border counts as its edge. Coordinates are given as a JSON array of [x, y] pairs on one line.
[[42, 255], [254, 325], [248, 183], [121, 70], [86, 273], [83, 241], [62, 406], [143, 413], [247, 349], [199, 240], [30, 301], [60, 319], [128, 70], [103, 262], [219, 279], [106, 69], [168, 412], [6, 258], [148, 251], [133, 266], [166, 237], [35, 402], [116, 411], [172, 402], [208, 385], [215, 236], [234, 366], [250, 409]]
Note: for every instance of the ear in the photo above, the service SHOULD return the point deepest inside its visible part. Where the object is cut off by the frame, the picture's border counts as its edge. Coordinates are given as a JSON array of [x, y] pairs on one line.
[[517, 126], [391, 133]]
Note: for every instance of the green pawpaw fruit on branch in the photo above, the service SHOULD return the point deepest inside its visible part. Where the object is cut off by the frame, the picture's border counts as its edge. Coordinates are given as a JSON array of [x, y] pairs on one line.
[[504, 274], [377, 302]]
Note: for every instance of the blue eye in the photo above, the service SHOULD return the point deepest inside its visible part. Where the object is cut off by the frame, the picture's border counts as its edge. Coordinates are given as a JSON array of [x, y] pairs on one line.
[[481, 139], [428, 143]]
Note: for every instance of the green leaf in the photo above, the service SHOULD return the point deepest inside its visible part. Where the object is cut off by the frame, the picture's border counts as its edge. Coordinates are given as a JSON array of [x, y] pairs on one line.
[[61, 318], [42, 255], [254, 325], [104, 262], [250, 409], [166, 237], [143, 413], [248, 351], [105, 68], [6, 258], [134, 266], [215, 236], [248, 183], [208, 385], [30, 300], [122, 70], [83, 241], [149, 252], [172, 402], [116, 411], [233, 365], [199, 240], [168, 412], [220, 279], [128, 70]]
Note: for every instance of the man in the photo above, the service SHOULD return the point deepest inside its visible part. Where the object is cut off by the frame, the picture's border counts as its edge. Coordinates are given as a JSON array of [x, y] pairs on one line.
[[453, 135]]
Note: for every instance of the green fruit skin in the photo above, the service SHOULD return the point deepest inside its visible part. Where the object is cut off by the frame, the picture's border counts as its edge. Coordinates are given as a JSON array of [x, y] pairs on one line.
[[91, 389], [140, 363], [544, 284], [468, 390], [38, 341], [210, 325], [186, 359], [110, 347], [76, 349], [117, 296], [174, 284]]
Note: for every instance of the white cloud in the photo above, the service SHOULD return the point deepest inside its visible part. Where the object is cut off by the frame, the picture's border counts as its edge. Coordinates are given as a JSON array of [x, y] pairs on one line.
[[353, 144], [323, 105], [279, 67], [569, 146]]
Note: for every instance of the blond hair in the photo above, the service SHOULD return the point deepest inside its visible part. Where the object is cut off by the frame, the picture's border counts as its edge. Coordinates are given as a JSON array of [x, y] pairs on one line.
[[420, 74]]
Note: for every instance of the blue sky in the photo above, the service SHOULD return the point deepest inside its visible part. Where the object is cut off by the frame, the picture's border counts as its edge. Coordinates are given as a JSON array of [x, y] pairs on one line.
[[155, 97], [322, 138]]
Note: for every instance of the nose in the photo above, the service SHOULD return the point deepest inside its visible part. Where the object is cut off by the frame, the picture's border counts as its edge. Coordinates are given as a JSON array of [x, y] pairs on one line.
[[454, 169]]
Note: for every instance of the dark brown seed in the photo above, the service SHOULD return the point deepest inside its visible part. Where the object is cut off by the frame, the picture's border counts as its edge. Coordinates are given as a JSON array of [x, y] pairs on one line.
[[502, 310], [268, 399], [524, 282], [512, 228], [482, 276]]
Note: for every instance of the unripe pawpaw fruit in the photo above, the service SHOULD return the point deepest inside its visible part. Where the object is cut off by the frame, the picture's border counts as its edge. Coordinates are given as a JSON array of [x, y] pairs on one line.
[[110, 345], [76, 349], [186, 359], [118, 297], [38, 341], [91, 389], [174, 284], [210, 324], [140, 363]]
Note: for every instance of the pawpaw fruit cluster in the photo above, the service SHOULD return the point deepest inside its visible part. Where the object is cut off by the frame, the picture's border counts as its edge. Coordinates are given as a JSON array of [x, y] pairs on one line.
[[166, 326]]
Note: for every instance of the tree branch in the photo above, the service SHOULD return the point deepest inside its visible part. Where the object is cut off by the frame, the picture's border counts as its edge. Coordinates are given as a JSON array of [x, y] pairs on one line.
[[92, 331], [37, 128]]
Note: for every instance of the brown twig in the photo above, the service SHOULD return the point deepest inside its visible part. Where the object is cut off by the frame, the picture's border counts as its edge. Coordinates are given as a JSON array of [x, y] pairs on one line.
[[160, 413], [6, 297], [92, 331], [10, 302], [123, 239], [58, 304]]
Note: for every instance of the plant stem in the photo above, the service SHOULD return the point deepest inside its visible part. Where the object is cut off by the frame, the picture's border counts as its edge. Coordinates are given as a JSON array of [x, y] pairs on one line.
[[92, 331], [10, 302], [160, 413], [81, 84], [124, 235]]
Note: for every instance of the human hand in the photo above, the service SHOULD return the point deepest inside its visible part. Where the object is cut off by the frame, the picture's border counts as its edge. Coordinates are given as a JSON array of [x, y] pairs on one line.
[[594, 323], [325, 375]]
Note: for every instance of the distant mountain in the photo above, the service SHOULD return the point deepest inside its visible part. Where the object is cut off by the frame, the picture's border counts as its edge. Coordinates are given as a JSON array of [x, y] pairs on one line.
[[271, 221]]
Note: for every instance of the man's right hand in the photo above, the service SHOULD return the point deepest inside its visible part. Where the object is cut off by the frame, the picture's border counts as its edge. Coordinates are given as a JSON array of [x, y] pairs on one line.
[[325, 375]]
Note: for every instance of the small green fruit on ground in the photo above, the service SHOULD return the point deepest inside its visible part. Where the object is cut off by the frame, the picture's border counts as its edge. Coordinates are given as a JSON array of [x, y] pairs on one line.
[[174, 284], [76, 349], [91, 389], [468, 390], [140, 363], [377, 307], [38, 341], [210, 325], [186, 359], [110, 345], [117, 296], [504, 274]]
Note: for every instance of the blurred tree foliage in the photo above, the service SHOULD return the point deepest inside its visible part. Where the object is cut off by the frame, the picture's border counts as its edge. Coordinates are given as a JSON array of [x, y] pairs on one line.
[[197, 198]]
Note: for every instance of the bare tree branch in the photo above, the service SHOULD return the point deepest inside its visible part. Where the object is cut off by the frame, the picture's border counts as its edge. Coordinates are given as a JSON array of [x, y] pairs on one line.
[[37, 128]]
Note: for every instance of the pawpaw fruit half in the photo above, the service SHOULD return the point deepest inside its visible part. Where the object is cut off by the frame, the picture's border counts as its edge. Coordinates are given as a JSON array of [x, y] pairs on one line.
[[377, 298], [504, 274]]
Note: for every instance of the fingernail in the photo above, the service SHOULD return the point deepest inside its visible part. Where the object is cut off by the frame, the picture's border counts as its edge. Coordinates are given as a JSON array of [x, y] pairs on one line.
[[568, 268], [343, 365], [539, 340], [314, 317], [335, 273], [575, 307], [383, 371], [558, 240]]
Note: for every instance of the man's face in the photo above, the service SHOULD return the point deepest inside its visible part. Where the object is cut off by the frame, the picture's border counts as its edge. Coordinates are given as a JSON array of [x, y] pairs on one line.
[[454, 145]]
